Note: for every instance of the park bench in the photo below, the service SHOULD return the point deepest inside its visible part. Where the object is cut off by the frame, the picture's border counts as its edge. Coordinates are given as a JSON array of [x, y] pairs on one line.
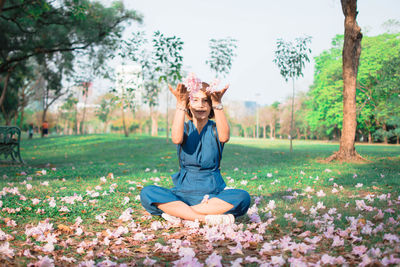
[[10, 137]]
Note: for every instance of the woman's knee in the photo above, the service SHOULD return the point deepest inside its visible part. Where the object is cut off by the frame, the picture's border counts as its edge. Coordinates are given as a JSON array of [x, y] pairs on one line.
[[148, 190], [147, 193], [244, 196]]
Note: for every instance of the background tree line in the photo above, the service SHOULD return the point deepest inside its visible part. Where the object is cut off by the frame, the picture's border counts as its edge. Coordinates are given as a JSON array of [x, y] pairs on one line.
[[54, 51]]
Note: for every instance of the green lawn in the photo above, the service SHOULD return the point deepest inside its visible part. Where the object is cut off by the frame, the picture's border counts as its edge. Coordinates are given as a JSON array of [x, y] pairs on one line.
[[98, 177]]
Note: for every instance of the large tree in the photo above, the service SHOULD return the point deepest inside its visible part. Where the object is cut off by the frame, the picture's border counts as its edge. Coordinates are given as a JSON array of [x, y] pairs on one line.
[[378, 83], [15, 100], [326, 97], [31, 29], [374, 93], [350, 59], [387, 99]]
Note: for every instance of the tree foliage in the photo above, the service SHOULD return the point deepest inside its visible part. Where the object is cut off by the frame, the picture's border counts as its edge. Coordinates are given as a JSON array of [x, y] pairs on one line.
[[222, 53], [139, 50], [290, 57], [53, 33], [168, 55], [326, 98], [32, 28], [377, 87]]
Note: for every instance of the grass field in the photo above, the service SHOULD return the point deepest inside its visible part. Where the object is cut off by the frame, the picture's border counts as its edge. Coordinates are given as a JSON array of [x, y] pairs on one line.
[[76, 202]]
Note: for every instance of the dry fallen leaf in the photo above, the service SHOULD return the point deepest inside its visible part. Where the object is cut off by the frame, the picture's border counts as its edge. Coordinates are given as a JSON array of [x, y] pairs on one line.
[[64, 228], [143, 249]]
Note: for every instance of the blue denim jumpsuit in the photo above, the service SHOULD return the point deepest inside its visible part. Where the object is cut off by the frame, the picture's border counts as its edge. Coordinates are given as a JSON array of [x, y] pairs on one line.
[[199, 174]]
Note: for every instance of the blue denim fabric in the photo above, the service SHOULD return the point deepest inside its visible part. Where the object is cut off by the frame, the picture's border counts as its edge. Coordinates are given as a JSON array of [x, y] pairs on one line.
[[199, 175]]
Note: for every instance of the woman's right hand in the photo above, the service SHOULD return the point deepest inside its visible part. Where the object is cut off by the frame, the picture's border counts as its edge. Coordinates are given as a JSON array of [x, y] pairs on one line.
[[181, 93]]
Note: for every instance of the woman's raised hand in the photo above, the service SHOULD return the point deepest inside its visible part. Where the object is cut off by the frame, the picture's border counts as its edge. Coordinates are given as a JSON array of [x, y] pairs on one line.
[[216, 96], [181, 93]]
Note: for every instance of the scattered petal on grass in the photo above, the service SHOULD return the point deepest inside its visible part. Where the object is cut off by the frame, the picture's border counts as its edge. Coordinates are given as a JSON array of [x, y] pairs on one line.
[[149, 262], [237, 262], [391, 238], [44, 262], [321, 193], [278, 260], [359, 250], [214, 260], [236, 249], [5, 250], [274, 232]]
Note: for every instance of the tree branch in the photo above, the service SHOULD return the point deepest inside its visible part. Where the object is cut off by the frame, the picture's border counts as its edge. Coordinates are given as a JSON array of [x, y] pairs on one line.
[[2, 2], [39, 51], [18, 25]]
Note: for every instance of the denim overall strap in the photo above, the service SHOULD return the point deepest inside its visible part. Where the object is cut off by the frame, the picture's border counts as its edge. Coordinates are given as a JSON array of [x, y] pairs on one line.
[[180, 146], [219, 149]]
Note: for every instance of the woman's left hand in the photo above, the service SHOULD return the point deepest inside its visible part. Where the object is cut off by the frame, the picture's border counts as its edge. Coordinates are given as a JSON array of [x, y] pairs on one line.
[[216, 96]]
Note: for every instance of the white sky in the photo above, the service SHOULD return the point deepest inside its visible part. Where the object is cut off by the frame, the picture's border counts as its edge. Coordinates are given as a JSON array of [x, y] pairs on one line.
[[256, 24]]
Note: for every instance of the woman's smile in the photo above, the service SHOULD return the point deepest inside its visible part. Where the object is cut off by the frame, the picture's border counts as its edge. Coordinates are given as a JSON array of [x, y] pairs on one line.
[[200, 113]]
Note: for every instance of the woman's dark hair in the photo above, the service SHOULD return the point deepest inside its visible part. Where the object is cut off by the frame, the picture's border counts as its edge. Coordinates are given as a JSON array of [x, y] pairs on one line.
[[212, 114]]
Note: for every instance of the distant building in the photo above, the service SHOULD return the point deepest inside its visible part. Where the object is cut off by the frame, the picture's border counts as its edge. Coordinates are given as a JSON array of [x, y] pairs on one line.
[[84, 91], [250, 107]]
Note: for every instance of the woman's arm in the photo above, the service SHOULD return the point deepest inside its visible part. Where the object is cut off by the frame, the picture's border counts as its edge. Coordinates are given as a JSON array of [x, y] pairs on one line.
[[177, 130], [220, 118]]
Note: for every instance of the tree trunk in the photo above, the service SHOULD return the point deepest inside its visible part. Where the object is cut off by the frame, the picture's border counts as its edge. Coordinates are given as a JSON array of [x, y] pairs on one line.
[[291, 121], [123, 120], [265, 132], [167, 129], [369, 137], [21, 121], [274, 132], [66, 127], [44, 118], [82, 124], [2, 2], [350, 57], [75, 126], [86, 96], [154, 122], [298, 133], [271, 131], [3, 93], [15, 117], [385, 138], [397, 139], [6, 116], [44, 114], [22, 103], [105, 127]]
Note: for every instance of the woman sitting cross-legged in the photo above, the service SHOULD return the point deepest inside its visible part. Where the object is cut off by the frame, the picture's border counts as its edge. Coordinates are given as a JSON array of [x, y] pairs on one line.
[[199, 192]]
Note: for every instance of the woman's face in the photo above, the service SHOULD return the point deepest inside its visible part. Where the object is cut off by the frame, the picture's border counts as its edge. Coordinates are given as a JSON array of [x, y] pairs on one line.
[[199, 106]]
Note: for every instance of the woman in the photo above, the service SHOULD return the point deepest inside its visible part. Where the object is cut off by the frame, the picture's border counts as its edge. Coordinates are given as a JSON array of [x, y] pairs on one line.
[[199, 187]]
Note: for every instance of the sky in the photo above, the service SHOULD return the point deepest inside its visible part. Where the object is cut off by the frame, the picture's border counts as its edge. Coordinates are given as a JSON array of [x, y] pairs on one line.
[[257, 25]]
